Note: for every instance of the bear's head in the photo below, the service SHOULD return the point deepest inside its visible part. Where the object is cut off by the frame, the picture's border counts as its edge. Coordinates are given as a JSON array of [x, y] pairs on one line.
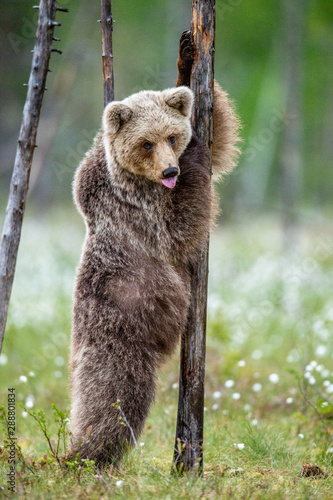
[[147, 132]]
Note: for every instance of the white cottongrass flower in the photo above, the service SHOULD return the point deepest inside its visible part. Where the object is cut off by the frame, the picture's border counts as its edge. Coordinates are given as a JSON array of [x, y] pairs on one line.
[[326, 383], [29, 402], [24, 414], [225, 412], [3, 359], [59, 361], [236, 395], [274, 378], [215, 406], [23, 378], [241, 363], [329, 389], [321, 350], [175, 385], [32, 374], [257, 387], [254, 422], [330, 450], [247, 407], [229, 383], [141, 444], [239, 446], [312, 380], [257, 354], [323, 404], [289, 401], [119, 483], [301, 436], [217, 394]]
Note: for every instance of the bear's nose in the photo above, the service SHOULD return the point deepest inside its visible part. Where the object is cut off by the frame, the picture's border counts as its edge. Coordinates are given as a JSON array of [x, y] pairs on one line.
[[170, 172]]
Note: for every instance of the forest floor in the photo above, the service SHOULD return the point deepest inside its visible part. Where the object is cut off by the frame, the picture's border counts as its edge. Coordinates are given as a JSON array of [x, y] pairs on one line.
[[269, 372]]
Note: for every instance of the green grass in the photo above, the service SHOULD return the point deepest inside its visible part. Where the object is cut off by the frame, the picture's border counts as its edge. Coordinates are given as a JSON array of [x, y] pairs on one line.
[[270, 323]]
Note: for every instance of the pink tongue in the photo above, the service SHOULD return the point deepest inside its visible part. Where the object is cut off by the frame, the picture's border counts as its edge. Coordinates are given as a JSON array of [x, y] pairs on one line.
[[170, 182]]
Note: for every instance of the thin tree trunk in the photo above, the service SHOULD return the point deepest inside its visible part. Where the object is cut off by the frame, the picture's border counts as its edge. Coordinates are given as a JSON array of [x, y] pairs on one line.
[[24, 153], [294, 16], [107, 53], [188, 453]]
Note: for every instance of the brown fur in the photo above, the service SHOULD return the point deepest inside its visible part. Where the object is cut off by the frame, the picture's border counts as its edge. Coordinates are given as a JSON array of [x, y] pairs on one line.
[[132, 288]]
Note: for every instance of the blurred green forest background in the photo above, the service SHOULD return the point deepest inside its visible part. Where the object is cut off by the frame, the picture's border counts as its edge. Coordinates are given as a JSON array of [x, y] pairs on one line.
[[251, 63]]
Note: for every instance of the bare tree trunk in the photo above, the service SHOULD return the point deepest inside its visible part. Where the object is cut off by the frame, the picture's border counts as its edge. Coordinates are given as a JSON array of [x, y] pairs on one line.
[[188, 453], [294, 16], [24, 153], [107, 53]]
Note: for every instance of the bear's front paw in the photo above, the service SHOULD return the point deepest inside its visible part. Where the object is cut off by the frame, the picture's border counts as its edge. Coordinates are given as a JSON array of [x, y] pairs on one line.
[[185, 58]]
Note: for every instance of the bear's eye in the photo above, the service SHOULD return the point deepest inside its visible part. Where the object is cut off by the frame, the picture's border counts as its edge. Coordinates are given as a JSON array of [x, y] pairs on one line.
[[172, 139], [147, 146]]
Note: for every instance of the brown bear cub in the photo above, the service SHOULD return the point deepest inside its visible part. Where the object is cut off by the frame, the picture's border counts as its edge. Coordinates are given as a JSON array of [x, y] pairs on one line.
[[144, 191]]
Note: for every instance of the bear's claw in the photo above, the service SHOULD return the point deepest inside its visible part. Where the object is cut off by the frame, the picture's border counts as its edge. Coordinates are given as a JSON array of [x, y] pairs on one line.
[[185, 58], [186, 48]]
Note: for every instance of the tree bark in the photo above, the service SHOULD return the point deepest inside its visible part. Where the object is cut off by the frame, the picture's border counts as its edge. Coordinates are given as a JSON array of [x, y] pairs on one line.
[[107, 53], [188, 453], [24, 154], [294, 17]]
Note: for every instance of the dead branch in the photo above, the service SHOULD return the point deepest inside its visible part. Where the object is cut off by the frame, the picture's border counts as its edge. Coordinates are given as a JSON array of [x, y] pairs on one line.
[[24, 154]]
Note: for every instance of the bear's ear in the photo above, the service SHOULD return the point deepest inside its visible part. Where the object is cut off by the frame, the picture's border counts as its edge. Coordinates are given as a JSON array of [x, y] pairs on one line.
[[115, 115], [180, 98]]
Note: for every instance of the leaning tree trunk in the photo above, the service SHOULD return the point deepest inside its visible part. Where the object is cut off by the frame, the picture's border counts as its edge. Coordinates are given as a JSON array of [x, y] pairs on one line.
[[107, 52], [24, 153], [188, 452]]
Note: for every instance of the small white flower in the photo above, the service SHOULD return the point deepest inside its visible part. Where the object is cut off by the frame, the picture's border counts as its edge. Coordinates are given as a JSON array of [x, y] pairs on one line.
[[326, 383], [307, 375], [29, 402], [57, 374], [257, 387], [23, 378], [323, 404], [24, 414], [175, 385], [329, 389], [330, 450], [32, 374], [217, 394], [313, 363], [236, 395], [229, 383], [240, 446], [241, 363], [254, 422], [312, 380], [325, 373], [314, 445], [59, 361], [205, 408], [119, 483], [308, 368], [257, 354], [225, 412], [3, 359], [256, 375], [319, 368], [321, 350], [215, 406], [274, 378], [142, 444], [289, 401], [301, 436]]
